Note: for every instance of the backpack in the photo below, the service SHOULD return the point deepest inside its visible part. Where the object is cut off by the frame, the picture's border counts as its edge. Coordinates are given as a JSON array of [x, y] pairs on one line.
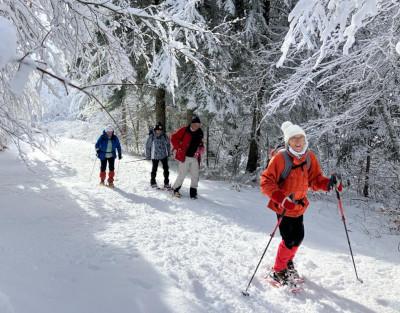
[[288, 162]]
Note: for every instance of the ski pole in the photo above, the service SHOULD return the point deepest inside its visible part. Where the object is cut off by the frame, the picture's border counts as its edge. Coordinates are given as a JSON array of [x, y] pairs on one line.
[[117, 172], [91, 173], [245, 292], [341, 211]]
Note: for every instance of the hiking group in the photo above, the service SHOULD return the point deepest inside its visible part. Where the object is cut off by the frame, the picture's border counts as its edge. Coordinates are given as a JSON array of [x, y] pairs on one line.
[[290, 173], [187, 148]]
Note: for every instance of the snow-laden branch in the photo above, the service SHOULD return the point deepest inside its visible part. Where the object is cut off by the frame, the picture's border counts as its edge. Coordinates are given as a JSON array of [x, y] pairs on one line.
[[329, 24], [8, 39]]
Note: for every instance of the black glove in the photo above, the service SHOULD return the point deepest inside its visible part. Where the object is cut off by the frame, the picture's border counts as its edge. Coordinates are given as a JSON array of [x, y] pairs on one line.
[[335, 182]]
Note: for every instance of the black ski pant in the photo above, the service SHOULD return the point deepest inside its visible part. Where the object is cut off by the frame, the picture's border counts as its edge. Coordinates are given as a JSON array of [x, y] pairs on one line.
[[110, 161], [292, 231], [154, 171]]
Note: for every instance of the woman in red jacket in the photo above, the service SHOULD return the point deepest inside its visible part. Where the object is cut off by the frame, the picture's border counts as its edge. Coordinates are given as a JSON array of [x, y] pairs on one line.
[[290, 193]]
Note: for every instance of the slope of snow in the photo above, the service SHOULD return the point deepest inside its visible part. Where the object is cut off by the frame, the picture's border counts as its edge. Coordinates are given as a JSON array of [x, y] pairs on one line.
[[68, 245]]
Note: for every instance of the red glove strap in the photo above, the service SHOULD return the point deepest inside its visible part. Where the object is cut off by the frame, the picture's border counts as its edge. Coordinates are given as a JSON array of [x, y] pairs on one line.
[[278, 196], [288, 205]]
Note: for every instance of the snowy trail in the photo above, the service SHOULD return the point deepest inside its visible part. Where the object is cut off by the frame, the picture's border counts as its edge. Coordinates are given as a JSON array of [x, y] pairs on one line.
[[70, 246]]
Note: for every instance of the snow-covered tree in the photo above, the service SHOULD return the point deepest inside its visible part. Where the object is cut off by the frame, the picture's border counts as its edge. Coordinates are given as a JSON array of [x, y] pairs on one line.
[[341, 85]]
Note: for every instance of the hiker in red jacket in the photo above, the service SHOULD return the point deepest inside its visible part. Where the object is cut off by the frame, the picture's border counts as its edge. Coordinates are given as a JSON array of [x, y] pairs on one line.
[[287, 189], [187, 145]]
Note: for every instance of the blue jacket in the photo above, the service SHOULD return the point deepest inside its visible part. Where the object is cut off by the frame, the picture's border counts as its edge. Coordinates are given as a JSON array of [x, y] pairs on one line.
[[101, 146], [157, 148]]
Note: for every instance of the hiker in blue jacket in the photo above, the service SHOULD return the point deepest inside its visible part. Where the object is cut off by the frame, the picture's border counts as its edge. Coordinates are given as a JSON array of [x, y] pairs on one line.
[[106, 150], [158, 149]]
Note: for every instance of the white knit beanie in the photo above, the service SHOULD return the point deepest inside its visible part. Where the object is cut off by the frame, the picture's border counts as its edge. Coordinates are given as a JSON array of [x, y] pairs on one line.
[[290, 130], [109, 128]]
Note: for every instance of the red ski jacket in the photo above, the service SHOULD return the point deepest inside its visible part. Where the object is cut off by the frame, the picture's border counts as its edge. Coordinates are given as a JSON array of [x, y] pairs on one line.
[[297, 183], [180, 141]]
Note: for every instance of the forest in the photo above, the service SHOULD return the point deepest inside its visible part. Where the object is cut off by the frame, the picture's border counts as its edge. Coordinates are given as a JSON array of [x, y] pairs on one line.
[[242, 66]]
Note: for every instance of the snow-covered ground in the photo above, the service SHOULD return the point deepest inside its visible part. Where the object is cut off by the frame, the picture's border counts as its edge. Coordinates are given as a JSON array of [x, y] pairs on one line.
[[69, 246]]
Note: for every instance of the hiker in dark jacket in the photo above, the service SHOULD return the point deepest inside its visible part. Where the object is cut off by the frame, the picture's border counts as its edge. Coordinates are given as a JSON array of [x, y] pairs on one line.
[[106, 149], [158, 149]]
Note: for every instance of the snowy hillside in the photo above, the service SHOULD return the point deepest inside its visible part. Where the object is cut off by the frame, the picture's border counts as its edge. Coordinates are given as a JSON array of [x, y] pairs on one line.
[[69, 246]]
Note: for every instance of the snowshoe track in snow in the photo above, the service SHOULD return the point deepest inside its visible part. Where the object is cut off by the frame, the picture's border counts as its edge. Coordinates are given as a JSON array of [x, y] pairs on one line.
[[150, 253]]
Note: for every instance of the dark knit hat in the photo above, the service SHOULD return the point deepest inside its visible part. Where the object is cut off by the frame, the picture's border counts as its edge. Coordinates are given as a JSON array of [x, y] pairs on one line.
[[159, 126], [195, 119]]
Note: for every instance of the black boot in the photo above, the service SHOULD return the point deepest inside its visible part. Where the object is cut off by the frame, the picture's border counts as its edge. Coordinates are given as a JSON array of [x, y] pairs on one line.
[[293, 274], [193, 193], [153, 174], [176, 192], [279, 278]]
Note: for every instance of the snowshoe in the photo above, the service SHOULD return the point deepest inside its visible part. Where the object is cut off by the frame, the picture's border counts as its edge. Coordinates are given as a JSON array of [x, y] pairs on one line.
[[176, 194], [111, 185], [167, 187], [293, 274], [282, 279], [102, 183], [278, 279], [154, 186]]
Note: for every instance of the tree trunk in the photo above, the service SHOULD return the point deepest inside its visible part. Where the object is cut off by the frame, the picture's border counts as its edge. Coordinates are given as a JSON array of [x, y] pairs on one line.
[[253, 159], [134, 130], [266, 9], [137, 135], [391, 130], [160, 106], [366, 182], [124, 127], [208, 141], [240, 8]]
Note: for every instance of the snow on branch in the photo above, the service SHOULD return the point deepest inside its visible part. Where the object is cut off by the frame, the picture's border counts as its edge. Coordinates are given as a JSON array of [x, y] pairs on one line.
[[8, 39], [329, 24], [98, 43]]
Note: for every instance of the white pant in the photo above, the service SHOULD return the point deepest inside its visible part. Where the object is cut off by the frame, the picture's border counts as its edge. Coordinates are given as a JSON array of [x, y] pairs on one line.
[[190, 165]]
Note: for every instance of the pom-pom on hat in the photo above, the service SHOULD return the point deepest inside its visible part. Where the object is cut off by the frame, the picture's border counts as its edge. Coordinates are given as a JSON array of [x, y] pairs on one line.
[[290, 130], [158, 126]]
